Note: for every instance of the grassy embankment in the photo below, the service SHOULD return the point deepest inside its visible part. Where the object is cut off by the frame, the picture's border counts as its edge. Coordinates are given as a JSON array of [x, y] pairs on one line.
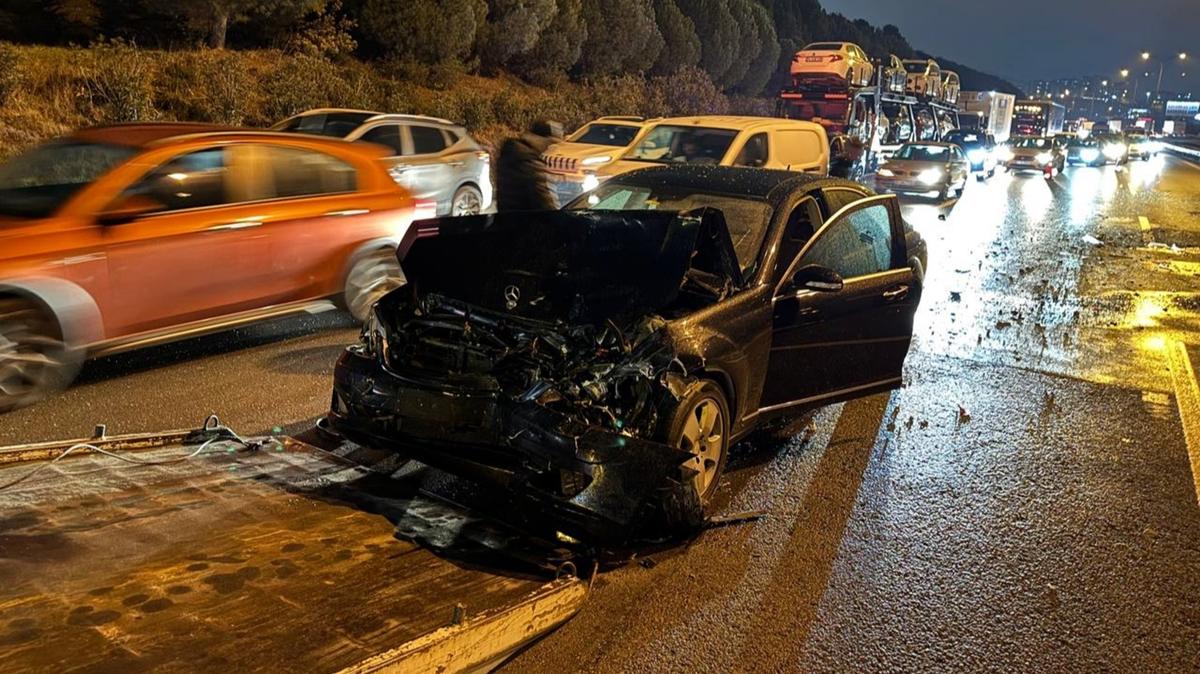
[[49, 91]]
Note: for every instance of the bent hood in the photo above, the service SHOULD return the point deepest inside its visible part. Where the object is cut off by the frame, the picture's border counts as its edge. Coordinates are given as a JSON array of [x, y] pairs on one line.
[[581, 267]]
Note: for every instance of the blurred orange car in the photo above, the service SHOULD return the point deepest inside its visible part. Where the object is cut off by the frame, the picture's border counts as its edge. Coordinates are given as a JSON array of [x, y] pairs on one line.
[[125, 236]]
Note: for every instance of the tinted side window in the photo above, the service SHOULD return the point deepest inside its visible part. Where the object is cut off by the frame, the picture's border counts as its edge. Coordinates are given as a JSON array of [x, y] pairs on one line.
[[298, 173], [856, 245], [754, 153], [427, 140], [387, 135], [801, 225], [836, 200], [192, 180]]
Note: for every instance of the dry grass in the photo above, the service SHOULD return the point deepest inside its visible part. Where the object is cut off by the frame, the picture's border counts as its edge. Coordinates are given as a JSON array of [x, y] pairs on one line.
[[48, 91]]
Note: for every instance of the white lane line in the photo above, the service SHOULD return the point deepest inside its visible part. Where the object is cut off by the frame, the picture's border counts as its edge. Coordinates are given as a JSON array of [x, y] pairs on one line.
[[1187, 397]]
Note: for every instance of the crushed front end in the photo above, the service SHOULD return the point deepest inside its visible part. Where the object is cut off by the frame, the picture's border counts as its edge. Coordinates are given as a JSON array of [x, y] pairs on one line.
[[562, 416]]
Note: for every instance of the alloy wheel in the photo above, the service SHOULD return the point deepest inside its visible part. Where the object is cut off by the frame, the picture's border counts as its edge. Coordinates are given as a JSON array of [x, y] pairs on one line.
[[467, 201], [371, 278], [703, 437], [31, 354]]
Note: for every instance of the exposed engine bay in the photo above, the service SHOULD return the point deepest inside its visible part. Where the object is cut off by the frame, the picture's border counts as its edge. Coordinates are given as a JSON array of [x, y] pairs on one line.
[[553, 374]]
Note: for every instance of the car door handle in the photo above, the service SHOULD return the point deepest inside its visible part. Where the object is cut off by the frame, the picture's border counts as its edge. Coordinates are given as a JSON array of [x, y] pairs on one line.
[[896, 294], [235, 226]]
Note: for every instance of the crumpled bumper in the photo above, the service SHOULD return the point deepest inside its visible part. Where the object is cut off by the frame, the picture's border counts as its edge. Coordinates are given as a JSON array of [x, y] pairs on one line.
[[591, 482]]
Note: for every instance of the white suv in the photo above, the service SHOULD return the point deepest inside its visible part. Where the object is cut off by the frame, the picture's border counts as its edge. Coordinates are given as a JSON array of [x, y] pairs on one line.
[[593, 145], [436, 160]]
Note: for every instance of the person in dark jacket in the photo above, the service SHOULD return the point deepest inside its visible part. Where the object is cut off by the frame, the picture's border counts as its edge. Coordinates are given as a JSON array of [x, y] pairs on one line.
[[520, 173]]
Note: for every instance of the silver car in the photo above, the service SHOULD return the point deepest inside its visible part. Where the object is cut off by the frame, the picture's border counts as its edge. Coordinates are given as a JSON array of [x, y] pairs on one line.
[[433, 158], [920, 168]]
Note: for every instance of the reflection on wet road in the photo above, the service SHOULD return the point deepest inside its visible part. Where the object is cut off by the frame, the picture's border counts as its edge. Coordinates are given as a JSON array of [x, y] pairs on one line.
[[1024, 503]]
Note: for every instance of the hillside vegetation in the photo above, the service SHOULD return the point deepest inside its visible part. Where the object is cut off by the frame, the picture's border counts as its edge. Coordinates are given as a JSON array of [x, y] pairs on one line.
[[48, 91], [493, 65]]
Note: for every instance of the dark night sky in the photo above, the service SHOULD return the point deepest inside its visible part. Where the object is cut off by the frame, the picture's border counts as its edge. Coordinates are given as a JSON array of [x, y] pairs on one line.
[[1026, 40]]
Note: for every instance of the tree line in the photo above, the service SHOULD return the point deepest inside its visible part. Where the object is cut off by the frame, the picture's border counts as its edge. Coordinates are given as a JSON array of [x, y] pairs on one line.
[[744, 46]]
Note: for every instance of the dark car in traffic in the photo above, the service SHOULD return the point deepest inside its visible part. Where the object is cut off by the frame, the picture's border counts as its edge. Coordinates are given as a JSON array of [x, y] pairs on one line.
[[599, 361], [980, 148], [1086, 151]]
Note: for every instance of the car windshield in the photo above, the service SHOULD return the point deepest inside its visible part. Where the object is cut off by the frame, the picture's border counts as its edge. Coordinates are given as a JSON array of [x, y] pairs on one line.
[[1034, 143], [37, 183], [1081, 142], [918, 67], [924, 153], [966, 139], [334, 124], [615, 135], [684, 145], [824, 46], [745, 217]]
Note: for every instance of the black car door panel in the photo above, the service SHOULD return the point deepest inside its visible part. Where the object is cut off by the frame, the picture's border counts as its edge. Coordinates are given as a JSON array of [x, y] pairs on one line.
[[826, 344]]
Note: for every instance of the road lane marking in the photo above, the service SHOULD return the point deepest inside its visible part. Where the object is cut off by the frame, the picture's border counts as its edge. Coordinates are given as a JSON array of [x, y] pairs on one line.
[[1187, 397], [1147, 235]]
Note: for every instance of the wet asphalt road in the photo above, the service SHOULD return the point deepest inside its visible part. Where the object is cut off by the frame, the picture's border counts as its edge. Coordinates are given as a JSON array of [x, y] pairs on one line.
[[1024, 503]]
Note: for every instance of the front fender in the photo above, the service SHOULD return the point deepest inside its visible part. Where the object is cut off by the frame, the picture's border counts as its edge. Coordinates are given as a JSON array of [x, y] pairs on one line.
[[76, 311]]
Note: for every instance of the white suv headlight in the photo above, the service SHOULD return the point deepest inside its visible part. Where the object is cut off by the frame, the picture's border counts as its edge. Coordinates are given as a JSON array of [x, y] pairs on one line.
[[1044, 157], [596, 161]]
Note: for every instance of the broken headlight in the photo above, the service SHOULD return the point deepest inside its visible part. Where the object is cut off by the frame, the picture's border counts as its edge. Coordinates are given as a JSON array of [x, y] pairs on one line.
[[372, 340]]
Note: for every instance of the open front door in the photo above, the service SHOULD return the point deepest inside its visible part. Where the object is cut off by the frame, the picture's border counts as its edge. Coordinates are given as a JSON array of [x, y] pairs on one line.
[[833, 343]]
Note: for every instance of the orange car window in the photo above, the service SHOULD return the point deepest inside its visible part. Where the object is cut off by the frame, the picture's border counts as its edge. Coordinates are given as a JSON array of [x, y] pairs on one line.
[[296, 172], [192, 180]]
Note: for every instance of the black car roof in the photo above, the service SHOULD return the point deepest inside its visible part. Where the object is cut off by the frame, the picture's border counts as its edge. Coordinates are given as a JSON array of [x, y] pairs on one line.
[[764, 184]]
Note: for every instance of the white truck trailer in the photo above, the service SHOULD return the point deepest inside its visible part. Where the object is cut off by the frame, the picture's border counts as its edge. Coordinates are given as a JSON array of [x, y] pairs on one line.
[[987, 111]]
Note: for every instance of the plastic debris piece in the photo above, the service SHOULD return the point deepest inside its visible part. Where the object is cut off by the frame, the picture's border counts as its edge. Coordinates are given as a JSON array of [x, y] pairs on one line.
[[746, 517]]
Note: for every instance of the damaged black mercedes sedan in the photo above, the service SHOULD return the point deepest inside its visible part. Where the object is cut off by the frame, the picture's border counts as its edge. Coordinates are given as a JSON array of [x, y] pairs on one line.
[[599, 361]]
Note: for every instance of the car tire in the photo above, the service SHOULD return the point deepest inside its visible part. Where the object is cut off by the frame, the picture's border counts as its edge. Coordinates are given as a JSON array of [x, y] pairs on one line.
[[371, 276], [700, 425], [467, 200], [34, 360]]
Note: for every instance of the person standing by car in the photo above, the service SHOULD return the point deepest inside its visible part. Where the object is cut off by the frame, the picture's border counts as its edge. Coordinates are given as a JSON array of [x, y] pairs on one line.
[[520, 173], [847, 154]]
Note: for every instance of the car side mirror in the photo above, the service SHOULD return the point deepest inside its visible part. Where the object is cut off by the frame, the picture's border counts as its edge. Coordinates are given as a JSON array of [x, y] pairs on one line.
[[818, 278], [128, 208]]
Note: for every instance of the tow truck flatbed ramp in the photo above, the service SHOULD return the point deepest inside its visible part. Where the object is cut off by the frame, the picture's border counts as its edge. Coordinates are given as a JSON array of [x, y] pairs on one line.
[[284, 557]]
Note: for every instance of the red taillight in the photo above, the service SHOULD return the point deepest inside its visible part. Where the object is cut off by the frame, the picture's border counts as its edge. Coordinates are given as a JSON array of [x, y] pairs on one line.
[[837, 97], [424, 210]]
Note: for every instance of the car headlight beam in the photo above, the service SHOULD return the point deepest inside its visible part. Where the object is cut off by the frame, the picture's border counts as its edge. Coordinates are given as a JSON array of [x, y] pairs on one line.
[[1114, 151], [1089, 154], [930, 176], [977, 156], [590, 182], [1044, 157]]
